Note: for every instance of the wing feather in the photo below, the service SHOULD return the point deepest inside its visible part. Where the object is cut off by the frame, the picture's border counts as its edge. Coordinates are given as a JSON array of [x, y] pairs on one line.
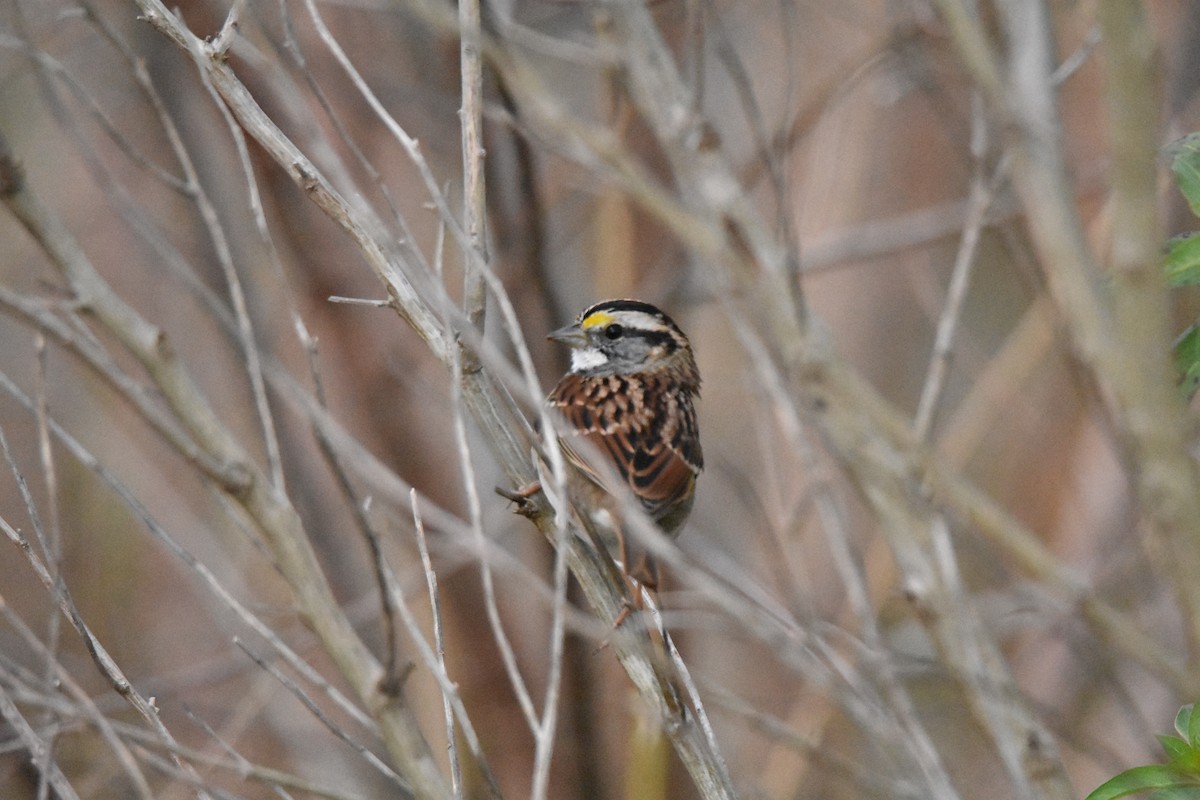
[[646, 431]]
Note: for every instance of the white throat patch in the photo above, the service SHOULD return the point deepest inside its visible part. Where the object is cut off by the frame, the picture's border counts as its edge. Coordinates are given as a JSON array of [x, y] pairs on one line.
[[586, 358]]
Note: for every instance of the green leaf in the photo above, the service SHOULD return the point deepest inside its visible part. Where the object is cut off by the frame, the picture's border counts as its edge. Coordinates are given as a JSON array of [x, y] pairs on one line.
[[1144, 779], [1187, 364], [1187, 793], [1175, 747], [1185, 163], [1183, 260], [1193, 724]]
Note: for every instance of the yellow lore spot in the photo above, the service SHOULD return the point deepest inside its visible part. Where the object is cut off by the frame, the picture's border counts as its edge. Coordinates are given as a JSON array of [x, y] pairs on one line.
[[596, 320]]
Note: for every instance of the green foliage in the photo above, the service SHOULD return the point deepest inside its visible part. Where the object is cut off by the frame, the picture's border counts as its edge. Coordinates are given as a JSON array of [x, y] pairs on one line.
[[1179, 779], [1185, 163], [1183, 260], [1187, 360], [1183, 256]]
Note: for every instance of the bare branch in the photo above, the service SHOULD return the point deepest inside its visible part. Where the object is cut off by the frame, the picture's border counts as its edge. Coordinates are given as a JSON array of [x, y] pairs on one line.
[[435, 608]]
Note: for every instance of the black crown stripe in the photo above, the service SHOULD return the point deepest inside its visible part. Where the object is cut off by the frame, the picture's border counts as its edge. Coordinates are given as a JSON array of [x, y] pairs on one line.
[[629, 305]]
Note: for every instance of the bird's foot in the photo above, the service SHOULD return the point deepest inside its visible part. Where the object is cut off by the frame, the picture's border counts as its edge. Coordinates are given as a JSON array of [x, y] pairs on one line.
[[520, 496]]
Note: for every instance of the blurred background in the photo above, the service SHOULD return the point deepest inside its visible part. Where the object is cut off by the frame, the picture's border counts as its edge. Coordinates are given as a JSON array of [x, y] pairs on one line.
[[857, 138]]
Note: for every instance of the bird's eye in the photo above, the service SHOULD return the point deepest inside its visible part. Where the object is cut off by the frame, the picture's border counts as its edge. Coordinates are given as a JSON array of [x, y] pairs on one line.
[[614, 331]]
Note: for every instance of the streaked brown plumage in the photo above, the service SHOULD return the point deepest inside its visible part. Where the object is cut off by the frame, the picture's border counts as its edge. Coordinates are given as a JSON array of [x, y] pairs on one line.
[[631, 392]]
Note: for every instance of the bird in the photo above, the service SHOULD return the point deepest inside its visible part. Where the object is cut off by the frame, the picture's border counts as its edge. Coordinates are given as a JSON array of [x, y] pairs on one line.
[[631, 391]]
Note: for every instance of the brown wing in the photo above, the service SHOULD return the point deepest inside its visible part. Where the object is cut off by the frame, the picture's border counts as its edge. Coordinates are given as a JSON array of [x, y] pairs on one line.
[[645, 430]]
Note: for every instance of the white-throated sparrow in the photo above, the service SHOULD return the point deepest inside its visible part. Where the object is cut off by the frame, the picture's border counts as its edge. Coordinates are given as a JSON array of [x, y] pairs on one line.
[[630, 392]]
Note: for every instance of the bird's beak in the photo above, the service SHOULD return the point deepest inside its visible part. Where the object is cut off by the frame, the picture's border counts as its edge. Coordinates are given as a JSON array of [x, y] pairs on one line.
[[572, 335]]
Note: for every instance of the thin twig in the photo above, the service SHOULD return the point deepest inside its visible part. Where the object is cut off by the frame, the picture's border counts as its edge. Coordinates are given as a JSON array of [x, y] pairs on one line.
[[448, 689], [358, 222], [243, 769], [911, 742], [439, 644], [410, 145], [548, 725], [979, 200], [52, 537], [220, 241], [218, 590], [82, 704], [391, 673], [104, 662], [491, 607], [40, 752], [315, 709], [359, 301], [474, 185]]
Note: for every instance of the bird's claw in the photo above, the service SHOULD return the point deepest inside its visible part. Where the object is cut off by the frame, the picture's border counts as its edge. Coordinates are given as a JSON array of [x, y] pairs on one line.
[[520, 496]]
